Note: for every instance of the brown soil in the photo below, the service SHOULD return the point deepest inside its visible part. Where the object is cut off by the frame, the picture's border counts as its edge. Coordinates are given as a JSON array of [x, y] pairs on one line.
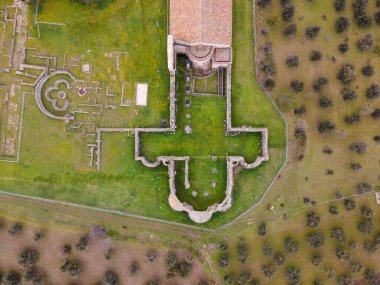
[[93, 260]]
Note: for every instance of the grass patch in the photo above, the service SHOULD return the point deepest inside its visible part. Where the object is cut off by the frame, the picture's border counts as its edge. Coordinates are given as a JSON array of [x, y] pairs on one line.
[[52, 161]]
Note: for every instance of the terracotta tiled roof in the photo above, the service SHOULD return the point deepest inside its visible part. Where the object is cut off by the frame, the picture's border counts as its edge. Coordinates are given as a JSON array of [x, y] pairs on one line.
[[201, 21]]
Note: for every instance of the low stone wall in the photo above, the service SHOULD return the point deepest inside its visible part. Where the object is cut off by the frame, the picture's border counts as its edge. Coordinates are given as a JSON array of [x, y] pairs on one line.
[[232, 161], [170, 161]]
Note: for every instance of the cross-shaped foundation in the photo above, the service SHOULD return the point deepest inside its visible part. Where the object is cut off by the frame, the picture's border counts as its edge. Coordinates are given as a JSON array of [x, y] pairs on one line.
[[211, 137]]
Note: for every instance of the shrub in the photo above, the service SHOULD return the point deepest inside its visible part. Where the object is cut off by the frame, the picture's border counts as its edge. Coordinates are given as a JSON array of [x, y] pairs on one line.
[[317, 282], [375, 114], [312, 31], [376, 239], [224, 260], [11, 278], [110, 278], [67, 249], [244, 277], [73, 268], [330, 272], [338, 234], [358, 147], [363, 187], [269, 83], [184, 268], [268, 67], [291, 245], [368, 70], [325, 126], [355, 166], [109, 254], [134, 267], [278, 259], [315, 55], [242, 251], [152, 254], [171, 259], [373, 91], [333, 210], [27, 257], [268, 270], [327, 150], [370, 276], [297, 86], [229, 279], [287, 12], [262, 229], [316, 259], [290, 30], [345, 280], [325, 102], [349, 204], [370, 247], [377, 17], [354, 118], [365, 43], [15, 229], [320, 84], [83, 242], [300, 111], [98, 232], [316, 240], [355, 266], [360, 16], [263, 3], [346, 74], [352, 244], [293, 275], [292, 60], [342, 24], [170, 273], [267, 249], [34, 276], [343, 47], [299, 133], [189, 258], [339, 5], [342, 254], [39, 235], [365, 226]]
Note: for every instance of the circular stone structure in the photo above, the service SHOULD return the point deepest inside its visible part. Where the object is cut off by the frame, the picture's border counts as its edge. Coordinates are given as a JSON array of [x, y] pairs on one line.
[[200, 53], [62, 95]]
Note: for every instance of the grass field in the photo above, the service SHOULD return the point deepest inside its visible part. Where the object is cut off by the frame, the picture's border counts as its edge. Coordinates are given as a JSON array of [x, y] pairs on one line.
[[52, 162], [207, 85], [123, 29], [295, 227], [307, 177]]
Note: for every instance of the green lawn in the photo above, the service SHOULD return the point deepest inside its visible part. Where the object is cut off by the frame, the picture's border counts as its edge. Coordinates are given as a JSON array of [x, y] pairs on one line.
[[52, 160], [131, 30], [206, 85]]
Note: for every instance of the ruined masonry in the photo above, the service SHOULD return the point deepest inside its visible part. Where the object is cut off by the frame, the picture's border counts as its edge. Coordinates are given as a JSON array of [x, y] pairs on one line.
[[207, 43]]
